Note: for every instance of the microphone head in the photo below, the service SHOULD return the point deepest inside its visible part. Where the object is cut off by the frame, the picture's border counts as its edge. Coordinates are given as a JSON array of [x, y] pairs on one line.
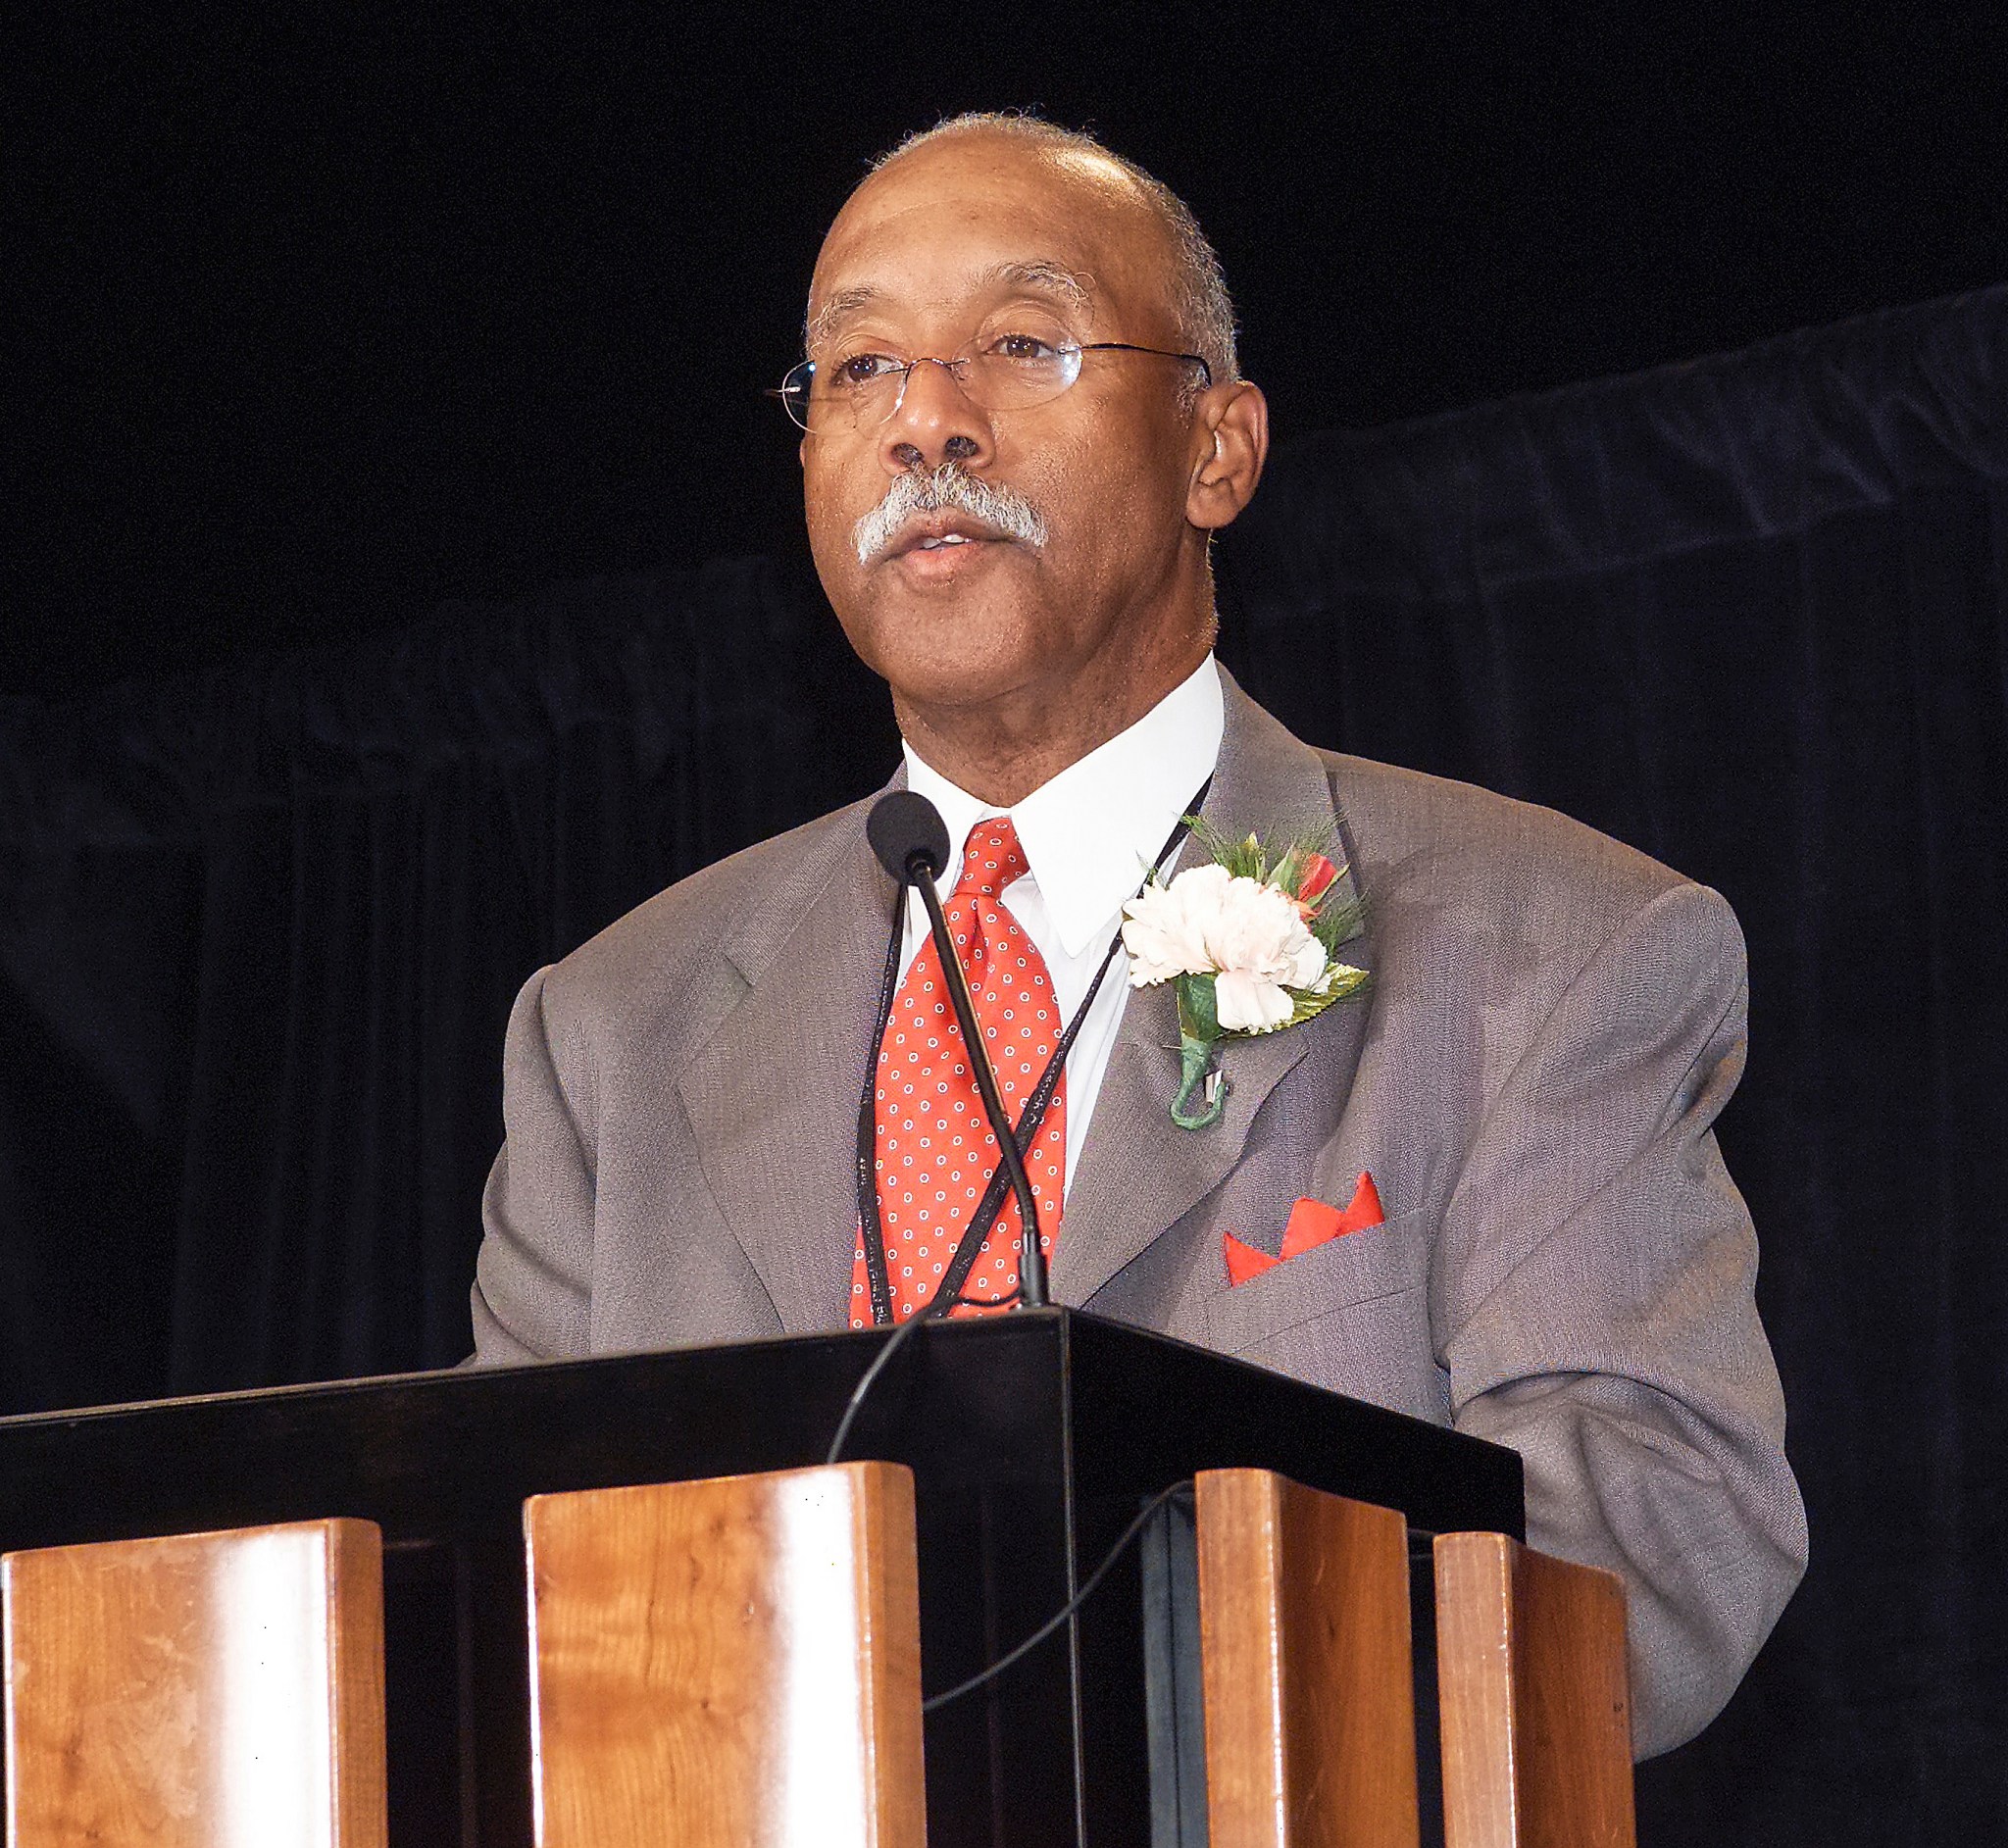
[[908, 834]]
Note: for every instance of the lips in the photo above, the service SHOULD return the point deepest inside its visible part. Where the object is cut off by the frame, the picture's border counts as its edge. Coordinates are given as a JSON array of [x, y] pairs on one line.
[[944, 533]]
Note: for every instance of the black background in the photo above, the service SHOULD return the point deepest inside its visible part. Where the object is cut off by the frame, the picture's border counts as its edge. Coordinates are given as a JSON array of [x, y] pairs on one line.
[[327, 314]]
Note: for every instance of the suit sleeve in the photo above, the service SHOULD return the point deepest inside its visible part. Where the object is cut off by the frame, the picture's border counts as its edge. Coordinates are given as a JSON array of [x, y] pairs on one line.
[[532, 1284], [1592, 1301]]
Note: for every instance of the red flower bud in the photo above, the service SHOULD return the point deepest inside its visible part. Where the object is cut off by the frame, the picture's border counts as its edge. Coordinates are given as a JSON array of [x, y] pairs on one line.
[[1316, 878]]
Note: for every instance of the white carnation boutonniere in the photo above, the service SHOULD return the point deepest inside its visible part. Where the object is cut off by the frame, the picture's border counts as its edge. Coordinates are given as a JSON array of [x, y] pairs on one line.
[[1251, 940]]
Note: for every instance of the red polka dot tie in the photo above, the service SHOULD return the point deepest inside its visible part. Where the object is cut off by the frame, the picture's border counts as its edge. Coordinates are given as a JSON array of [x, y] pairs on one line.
[[935, 1152]]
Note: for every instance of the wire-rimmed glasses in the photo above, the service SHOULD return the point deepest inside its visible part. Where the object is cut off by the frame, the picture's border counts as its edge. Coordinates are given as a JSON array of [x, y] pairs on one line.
[[1013, 372]]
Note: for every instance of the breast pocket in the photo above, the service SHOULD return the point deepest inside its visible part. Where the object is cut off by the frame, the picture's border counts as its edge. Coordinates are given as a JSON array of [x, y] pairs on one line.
[[1342, 1275]]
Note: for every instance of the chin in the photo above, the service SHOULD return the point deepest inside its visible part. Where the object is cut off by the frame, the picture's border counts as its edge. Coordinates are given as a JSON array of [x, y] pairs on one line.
[[941, 649]]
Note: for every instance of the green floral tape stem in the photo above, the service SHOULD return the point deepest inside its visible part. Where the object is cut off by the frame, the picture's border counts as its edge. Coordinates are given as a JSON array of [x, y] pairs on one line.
[[1198, 1052]]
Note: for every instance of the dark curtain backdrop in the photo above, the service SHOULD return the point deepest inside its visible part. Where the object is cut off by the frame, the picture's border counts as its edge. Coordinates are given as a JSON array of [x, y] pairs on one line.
[[259, 927]]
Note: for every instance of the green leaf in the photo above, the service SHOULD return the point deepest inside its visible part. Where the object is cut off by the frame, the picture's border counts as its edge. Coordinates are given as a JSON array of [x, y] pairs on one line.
[[1243, 858], [1339, 920], [1198, 1010], [1209, 838], [1339, 980], [1250, 858]]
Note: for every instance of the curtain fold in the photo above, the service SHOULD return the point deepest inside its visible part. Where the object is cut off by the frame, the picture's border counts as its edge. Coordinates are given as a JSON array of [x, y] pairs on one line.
[[1751, 615], [259, 927], [258, 932]]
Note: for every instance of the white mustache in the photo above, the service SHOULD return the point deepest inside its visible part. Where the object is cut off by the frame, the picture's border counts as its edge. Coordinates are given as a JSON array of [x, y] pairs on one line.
[[1004, 509]]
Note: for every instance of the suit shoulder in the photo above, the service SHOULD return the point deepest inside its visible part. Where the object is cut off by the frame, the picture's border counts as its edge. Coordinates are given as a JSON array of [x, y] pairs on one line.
[[1433, 845], [659, 948]]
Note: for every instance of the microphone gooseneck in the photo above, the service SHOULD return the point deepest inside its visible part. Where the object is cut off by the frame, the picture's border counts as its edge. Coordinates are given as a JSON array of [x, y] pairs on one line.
[[911, 840], [1032, 1260]]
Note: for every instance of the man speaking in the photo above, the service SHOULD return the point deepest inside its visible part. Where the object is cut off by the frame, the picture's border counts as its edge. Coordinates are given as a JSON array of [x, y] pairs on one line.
[[1481, 1189]]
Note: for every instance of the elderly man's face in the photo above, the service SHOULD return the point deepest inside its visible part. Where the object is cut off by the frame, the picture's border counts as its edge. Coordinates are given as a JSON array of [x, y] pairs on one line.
[[963, 240]]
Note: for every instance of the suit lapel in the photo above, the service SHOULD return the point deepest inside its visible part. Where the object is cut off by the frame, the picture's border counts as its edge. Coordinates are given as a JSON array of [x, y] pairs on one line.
[[1139, 1173], [773, 1092]]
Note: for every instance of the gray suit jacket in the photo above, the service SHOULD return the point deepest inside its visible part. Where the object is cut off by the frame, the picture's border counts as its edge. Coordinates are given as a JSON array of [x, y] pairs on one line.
[[1553, 1024]]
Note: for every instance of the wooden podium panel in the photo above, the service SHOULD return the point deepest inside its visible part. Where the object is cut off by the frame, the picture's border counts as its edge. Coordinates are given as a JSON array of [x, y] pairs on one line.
[[729, 1661], [1309, 1690], [1534, 1697], [211, 1690]]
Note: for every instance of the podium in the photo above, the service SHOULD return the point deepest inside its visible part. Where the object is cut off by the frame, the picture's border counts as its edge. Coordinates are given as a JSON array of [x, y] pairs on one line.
[[1033, 1439]]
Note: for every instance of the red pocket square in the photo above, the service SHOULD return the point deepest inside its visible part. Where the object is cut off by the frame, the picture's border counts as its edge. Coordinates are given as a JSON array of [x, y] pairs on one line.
[[1312, 1222]]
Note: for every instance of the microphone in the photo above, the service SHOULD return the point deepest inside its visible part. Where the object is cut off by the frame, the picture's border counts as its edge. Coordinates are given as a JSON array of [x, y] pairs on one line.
[[908, 834], [911, 840]]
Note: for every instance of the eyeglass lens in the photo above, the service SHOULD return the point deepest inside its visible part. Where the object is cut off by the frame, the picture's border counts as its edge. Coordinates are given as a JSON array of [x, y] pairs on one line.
[[865, 390], [1012, 375]]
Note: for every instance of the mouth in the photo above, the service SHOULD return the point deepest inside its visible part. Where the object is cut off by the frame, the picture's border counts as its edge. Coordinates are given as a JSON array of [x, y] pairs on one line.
[[943, 533]]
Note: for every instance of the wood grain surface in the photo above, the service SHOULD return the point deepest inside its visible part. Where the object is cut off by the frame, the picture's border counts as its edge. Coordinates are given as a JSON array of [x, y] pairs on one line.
[[1535, 1700], [218, 1690], [1307, 1671], [734, 1661]]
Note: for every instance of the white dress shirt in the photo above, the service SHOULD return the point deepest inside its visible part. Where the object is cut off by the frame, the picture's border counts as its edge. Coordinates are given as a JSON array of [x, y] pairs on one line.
[[1090, 836]]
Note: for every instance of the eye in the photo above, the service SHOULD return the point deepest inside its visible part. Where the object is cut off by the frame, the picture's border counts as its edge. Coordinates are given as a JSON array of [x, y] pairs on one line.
[[863, 368], [1024, 348]]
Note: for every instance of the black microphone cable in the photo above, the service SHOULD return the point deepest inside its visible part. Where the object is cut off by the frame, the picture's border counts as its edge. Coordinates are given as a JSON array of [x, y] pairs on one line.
[[911, 842], [870, 1378], [859, 1393], [1066, 1611]]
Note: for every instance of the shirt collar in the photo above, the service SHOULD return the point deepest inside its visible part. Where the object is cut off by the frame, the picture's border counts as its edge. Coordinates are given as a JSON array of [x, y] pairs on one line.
[[1091, 833]]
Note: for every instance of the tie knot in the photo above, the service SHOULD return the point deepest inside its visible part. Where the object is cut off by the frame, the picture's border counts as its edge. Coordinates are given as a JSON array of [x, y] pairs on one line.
[[992, 859]]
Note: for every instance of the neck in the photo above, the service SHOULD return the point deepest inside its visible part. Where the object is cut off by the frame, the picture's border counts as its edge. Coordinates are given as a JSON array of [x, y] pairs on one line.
[[1003, 750]]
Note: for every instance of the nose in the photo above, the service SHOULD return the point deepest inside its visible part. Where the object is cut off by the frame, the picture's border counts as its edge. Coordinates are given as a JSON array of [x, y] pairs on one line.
[[933, 423]]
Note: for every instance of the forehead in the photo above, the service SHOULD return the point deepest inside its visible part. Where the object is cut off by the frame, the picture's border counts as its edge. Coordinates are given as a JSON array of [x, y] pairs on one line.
[[934, 229]]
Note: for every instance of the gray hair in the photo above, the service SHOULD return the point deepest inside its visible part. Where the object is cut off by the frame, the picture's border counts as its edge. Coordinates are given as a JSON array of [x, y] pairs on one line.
[[1205, 312], [918, 491]]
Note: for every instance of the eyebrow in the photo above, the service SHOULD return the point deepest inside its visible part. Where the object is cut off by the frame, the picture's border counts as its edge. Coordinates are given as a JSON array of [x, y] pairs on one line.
[[1075, 286], [844, 303]]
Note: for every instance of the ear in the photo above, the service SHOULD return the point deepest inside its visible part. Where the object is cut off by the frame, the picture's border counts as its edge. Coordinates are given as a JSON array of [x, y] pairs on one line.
[[1231, 437]]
